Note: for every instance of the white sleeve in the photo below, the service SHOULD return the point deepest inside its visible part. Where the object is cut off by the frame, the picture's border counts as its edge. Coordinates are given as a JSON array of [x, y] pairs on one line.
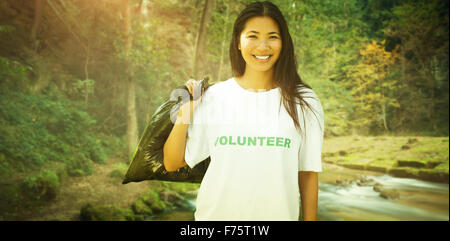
[[197, 144], [310, 152]]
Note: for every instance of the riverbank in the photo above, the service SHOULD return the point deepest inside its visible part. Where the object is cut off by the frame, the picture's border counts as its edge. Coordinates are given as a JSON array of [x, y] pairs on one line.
[[423, 158], [99, 188], [101, 191], [372, 157], [360, 195]]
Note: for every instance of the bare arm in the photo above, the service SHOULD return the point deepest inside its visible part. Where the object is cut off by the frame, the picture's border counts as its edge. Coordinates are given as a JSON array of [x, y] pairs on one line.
[[175, 145], [308, 184]]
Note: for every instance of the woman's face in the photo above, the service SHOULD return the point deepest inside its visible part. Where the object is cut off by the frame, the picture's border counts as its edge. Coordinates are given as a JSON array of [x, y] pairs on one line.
[[260, 43]]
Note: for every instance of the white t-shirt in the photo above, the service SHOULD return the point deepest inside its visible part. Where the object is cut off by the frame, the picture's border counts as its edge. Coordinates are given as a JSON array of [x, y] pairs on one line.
[[256, 153]]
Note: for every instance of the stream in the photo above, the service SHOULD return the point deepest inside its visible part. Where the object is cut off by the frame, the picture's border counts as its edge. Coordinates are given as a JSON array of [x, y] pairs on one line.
[[418, 200]]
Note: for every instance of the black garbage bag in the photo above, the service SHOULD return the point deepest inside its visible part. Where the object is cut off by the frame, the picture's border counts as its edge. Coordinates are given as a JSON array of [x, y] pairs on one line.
[[147, 161]]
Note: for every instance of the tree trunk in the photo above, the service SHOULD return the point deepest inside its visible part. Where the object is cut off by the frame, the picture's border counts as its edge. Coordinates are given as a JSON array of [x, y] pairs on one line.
[[383, 110], [132, 137], [86, 76], [200, 46], [334, 47], [36, 22], [224, 37]]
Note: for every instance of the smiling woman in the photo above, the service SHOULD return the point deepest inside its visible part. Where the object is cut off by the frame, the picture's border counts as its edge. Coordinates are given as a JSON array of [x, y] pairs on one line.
[[257, 171]]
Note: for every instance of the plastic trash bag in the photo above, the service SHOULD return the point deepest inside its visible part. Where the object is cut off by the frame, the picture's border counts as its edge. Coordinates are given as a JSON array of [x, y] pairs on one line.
[[147, 161]]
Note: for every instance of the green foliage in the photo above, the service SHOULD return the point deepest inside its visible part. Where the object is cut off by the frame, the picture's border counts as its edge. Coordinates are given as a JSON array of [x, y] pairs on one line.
[[42, 187], [13, 74], [337, 106], [40, 128], [372, 87], [84, 87], [153, 201], [422, 27], [325, 34], [424, 158], [6, 28], [141, 208], [119, 171], [148, 204], [89, 212], [179, 187]]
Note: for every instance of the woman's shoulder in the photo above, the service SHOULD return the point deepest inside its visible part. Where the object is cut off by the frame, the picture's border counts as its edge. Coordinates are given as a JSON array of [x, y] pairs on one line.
[[310, 97], [306, 91], [217, 88]]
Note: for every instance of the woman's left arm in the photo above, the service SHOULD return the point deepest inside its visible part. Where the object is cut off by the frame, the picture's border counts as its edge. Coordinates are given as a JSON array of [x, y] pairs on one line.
[[308, 183]]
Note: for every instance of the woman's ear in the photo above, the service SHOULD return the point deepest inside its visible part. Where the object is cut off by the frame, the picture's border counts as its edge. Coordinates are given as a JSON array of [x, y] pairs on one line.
[[239, 46]]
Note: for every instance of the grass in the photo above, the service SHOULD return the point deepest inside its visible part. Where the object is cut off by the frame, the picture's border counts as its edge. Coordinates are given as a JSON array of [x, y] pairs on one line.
[[424, 158]]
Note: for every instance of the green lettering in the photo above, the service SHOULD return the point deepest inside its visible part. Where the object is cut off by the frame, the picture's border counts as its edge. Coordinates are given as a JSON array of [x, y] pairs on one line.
[[251, 140], [239, 140], [261, 140], [231, 141], [279, 141], [215, 143], [287, 142], [223, 140]]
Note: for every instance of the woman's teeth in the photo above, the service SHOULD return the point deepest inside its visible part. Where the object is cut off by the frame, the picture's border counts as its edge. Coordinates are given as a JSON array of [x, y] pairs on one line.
[[262, 57]]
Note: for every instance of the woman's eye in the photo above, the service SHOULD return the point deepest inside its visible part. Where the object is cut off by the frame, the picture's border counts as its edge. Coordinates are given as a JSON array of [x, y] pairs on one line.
[[252, 36], [273, 37]]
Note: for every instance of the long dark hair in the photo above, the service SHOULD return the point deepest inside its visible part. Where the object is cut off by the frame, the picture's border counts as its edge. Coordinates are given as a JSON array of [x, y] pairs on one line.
[[285, 69]]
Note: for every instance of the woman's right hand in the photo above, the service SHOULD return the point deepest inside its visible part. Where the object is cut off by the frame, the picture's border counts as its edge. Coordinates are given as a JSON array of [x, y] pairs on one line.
[[187, 109]]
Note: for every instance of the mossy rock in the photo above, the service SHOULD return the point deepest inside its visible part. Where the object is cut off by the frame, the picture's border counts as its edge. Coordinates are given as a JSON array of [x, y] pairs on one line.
[[181, 187], [408, 163], [405, 147], [412, 140], [354, 166], [390, 194], [377, 169], [140, 207], [378, 187], [433, 176], [328, 161], [328, 154], [433, 164], [152, 200], [89, 212], [401, 172]]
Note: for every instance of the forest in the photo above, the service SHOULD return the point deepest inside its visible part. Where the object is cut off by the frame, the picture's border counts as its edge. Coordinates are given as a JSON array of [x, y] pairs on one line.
[[80, 80]]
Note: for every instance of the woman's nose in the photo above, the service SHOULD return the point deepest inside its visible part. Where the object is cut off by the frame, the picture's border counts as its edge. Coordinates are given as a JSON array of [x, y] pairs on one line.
[[263, 44]]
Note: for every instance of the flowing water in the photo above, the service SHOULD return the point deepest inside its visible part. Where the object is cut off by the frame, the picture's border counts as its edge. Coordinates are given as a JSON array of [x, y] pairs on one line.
[[419, 200]]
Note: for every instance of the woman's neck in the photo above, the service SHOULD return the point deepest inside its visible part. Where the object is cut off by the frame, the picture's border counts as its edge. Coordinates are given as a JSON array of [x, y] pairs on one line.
[[256, 80]]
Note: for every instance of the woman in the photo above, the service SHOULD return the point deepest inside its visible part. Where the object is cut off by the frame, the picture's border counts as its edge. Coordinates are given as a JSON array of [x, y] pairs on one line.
[[264, 155]]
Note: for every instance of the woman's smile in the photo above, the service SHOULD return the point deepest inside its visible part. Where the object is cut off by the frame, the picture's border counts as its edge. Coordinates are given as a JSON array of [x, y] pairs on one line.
[[262, 58]]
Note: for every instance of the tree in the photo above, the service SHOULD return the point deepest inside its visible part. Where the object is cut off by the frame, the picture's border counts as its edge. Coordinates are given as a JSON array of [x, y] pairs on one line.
[[372, 89], [132, 137], [422, 29], [200, 46]]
